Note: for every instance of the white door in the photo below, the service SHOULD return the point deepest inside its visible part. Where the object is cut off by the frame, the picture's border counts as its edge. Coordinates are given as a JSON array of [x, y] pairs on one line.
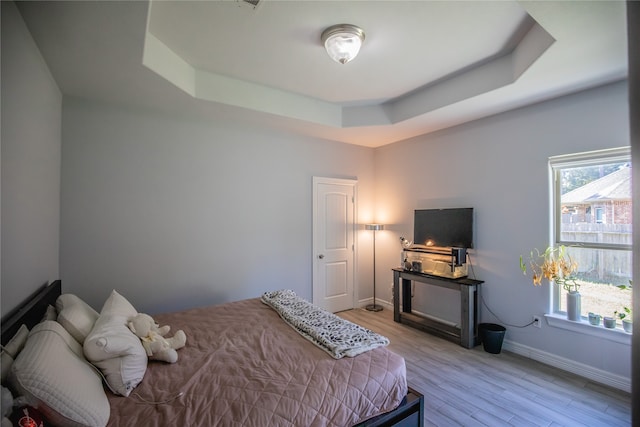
[[334, 202]]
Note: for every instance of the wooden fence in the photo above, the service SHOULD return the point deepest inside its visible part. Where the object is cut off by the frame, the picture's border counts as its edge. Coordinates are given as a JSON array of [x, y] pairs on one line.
[[601, 265]]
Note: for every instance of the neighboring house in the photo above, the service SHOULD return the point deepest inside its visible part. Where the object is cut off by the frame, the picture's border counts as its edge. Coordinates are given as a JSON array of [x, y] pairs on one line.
[[600, 212], [606, 200]]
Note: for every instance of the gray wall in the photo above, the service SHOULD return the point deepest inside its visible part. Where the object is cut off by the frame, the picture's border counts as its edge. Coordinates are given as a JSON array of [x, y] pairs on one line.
[[177, 213], [498, 166], [31, 141]]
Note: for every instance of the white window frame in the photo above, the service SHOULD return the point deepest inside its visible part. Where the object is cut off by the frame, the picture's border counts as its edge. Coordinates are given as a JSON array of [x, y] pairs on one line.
[[613, 155]]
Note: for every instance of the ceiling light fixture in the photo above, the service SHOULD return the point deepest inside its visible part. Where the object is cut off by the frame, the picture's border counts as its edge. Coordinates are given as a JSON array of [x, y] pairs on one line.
[[343, 42]]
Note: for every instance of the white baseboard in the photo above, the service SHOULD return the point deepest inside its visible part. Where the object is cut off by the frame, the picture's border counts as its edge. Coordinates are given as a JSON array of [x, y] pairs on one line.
[[586, 371]]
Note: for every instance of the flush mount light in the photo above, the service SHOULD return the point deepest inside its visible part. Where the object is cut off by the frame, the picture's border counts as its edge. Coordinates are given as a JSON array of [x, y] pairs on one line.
[[342, 42]]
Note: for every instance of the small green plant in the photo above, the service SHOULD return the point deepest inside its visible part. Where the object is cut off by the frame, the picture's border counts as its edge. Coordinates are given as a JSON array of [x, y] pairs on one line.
[[626, 287], [626, 312]]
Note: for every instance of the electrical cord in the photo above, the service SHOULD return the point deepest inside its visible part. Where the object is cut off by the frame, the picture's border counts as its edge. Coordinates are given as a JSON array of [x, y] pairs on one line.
[[500, 320], [473, 274]]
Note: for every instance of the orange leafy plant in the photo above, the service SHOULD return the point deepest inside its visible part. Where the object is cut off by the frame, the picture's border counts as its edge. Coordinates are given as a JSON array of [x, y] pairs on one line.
[[554, 264]]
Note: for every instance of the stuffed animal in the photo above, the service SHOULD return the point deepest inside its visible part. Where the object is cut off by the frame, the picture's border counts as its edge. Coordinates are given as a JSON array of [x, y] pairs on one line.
[[154, 341]]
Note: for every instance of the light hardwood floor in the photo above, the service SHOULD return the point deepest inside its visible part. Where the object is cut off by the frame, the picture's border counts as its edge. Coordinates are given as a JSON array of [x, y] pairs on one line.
[[475, 388]]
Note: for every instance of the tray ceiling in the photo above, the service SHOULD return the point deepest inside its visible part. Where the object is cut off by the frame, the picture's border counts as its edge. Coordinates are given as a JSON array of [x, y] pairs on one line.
[[424, 65]]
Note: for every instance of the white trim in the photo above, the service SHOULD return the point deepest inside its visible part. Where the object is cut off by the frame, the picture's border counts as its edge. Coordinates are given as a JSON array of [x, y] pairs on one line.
[[569, 365], [616, 335], [609, 155]]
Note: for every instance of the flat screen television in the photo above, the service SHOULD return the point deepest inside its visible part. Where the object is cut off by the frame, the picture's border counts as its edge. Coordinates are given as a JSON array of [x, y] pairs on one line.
[[444, 227]]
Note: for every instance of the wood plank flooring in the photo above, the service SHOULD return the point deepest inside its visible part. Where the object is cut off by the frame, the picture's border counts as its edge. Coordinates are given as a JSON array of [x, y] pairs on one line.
[[474, 388]]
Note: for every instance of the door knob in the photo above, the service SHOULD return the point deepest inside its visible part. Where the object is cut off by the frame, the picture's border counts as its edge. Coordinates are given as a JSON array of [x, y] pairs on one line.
[[321, 256]]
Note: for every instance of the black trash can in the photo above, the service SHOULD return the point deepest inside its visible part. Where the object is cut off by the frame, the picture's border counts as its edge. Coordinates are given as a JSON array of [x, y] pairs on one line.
[[491, 336]]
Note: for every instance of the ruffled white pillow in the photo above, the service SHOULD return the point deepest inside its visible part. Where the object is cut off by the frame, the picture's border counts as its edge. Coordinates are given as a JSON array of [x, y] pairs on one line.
[[114, 349], [76, 316]]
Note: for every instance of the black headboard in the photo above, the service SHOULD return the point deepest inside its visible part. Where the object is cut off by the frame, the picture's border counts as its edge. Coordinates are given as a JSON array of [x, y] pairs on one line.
[[31, 310]]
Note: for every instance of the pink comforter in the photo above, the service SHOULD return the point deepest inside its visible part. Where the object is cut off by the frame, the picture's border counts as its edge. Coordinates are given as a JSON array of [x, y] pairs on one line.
[[243, 366]]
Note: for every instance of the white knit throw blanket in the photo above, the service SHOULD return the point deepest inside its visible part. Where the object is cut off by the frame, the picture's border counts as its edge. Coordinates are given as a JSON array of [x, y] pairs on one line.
[[335, 335]]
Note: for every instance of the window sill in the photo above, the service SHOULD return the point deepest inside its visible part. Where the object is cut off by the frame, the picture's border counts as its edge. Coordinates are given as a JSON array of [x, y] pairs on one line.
[[584, 327]]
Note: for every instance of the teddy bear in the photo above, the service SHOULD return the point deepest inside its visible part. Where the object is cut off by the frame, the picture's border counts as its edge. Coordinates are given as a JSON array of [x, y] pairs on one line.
[[154, 341]]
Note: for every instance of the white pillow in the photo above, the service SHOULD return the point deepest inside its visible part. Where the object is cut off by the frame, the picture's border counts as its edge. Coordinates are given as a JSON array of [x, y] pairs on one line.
[[50, 314], [114, 349], [16, 343], [53, 376], [76, 316], [11, 350]]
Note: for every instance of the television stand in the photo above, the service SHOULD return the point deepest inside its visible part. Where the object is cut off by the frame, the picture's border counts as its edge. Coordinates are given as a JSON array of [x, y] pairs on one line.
[[467, 334]]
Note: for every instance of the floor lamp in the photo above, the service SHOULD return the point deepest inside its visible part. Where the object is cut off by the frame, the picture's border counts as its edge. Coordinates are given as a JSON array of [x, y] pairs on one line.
[[374, 227]]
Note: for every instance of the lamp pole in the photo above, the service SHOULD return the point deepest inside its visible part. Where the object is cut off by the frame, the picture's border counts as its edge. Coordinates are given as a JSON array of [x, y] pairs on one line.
[[374, 227]]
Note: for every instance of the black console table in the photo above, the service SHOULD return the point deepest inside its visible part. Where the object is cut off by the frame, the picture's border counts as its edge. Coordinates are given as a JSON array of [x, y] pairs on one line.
[[467, 334]]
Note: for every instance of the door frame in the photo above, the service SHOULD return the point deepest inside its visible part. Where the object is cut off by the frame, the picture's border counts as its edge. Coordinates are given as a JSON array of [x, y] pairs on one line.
[[353, 182]]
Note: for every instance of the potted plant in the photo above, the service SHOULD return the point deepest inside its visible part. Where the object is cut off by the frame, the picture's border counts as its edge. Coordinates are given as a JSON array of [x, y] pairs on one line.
[[555, 265], [626, 316], [609, 322]]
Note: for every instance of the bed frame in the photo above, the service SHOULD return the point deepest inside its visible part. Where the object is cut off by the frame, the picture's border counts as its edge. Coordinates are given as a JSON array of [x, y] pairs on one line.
[[410, 413], [31, 311]]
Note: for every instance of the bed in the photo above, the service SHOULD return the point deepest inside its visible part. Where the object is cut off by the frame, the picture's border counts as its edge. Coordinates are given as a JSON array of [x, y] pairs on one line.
[[244, 366]]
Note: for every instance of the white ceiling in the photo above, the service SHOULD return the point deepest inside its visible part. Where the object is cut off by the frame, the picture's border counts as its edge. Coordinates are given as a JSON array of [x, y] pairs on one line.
[[424, 65]]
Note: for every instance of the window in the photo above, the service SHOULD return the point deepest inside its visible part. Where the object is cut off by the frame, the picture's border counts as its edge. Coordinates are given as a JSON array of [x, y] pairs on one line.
[[592, 206]]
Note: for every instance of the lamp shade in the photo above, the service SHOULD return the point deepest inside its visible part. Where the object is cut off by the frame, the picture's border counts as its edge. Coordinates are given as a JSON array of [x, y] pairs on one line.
[[343, 42], [375, 227]]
